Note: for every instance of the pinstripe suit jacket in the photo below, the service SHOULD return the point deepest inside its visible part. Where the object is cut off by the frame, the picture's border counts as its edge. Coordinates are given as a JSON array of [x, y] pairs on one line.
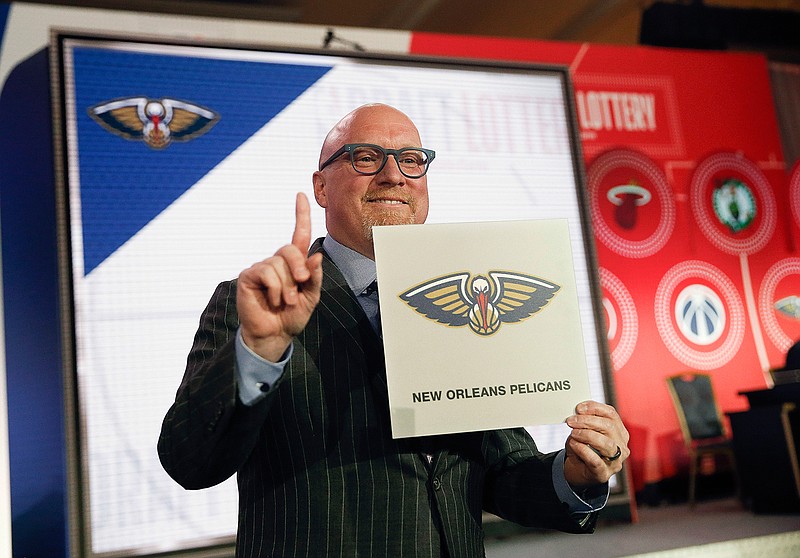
[[318, 471]]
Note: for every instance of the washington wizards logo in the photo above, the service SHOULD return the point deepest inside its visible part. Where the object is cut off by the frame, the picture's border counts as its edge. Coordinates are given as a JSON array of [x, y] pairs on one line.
[[482, 303], [157, 122]]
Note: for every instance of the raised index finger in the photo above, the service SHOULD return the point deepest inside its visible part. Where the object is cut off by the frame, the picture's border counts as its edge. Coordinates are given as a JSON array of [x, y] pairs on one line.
[[302, 223]]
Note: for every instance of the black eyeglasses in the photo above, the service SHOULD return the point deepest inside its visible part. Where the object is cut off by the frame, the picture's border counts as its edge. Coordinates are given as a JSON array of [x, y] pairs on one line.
[[369, 159]]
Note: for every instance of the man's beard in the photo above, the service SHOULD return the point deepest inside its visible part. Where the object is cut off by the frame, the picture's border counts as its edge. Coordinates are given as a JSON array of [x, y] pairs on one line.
[[389, 217]]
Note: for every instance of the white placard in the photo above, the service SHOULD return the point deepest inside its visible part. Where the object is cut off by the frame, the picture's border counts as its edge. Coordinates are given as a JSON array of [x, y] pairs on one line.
[[481, 325]]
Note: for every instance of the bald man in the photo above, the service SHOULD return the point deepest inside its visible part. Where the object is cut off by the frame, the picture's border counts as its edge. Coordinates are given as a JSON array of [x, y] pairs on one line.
[[285, 387]]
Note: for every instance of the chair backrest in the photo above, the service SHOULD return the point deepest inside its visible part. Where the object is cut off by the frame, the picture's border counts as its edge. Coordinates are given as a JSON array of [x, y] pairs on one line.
[[793, 357], [696, 406], [782, 376]]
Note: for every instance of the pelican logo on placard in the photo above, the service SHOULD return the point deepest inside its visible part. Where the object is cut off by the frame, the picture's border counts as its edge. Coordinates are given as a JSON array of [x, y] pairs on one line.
[[734, 204], [459, 299], [157, 122]]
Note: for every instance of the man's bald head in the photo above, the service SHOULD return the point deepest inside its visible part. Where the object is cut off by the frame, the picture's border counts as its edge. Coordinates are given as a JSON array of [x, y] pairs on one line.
[[355, 202]]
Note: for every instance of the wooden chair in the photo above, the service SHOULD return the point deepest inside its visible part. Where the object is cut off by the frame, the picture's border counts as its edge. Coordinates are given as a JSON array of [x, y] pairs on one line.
[[782, 376], [702, 426]]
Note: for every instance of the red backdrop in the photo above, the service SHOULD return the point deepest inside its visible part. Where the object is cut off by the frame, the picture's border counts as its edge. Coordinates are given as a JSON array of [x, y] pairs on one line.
[[695, 221]]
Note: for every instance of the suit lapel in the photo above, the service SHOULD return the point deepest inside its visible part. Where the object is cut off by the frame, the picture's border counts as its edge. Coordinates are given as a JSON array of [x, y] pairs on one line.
[[340, 308]]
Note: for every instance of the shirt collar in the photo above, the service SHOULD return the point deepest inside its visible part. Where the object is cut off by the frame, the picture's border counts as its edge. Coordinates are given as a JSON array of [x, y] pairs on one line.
[[358, 270]]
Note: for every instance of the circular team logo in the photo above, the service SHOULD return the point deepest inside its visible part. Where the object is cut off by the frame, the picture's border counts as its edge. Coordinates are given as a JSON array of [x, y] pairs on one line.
[[699, 315], [733, 204], [621, 318], [779, 303], [633, 211], [628, 198]]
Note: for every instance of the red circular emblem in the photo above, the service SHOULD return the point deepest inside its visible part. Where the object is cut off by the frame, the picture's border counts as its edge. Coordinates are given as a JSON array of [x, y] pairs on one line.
[[733, 204], [779, 303], [632, 206], [621, 319], [699, 315]]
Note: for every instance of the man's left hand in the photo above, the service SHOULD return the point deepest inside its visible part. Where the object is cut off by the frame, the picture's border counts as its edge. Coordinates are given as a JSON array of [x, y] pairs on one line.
[[597, 446]]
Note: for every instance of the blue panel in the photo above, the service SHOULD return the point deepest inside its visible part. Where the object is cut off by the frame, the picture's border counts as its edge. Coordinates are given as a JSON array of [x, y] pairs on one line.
[[4, 8], [245, 95], [32, 333]]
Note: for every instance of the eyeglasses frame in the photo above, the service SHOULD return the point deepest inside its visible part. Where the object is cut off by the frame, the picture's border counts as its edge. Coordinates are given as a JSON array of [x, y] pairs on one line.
[[349, 147]]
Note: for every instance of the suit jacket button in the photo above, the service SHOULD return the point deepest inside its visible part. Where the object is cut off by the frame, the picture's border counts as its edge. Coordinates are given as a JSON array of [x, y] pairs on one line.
[[437, 484]]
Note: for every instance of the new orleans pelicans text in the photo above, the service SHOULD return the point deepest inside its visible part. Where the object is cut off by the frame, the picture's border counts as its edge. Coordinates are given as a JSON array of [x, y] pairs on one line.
[[490, 391]]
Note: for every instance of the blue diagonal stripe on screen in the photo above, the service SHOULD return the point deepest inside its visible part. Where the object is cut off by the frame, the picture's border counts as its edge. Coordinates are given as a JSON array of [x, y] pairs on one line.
[[4, 7], [125, 184]]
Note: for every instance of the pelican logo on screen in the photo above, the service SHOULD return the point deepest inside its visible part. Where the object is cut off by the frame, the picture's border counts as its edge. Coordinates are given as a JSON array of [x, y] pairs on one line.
[[734, 204], [157, 122], [627, 197], [789, 306], [459, 299]]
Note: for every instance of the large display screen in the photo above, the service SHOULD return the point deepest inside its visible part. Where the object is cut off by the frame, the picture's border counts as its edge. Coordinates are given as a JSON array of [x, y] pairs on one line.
[[181, 165]]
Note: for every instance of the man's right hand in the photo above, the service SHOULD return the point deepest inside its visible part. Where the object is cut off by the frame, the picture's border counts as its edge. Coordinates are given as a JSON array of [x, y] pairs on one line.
[[275, 297]]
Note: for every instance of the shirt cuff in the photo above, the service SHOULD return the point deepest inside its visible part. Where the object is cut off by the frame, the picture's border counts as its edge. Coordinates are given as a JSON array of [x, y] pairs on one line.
[[255, 375], [591, 499]]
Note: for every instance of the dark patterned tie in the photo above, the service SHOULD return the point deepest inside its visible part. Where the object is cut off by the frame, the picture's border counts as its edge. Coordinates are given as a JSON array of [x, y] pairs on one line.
[[371, 288]]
